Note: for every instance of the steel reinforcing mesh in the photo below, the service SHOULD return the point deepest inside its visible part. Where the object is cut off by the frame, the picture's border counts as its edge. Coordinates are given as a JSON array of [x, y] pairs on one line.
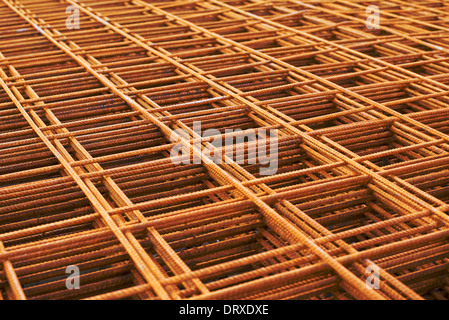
[[87, 177]]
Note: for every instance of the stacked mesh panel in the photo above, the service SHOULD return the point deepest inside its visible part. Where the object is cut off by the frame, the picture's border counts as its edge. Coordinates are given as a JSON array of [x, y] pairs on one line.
[[89, 118]]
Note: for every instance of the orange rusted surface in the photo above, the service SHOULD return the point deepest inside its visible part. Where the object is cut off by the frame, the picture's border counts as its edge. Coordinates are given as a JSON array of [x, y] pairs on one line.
[[90, 114]]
